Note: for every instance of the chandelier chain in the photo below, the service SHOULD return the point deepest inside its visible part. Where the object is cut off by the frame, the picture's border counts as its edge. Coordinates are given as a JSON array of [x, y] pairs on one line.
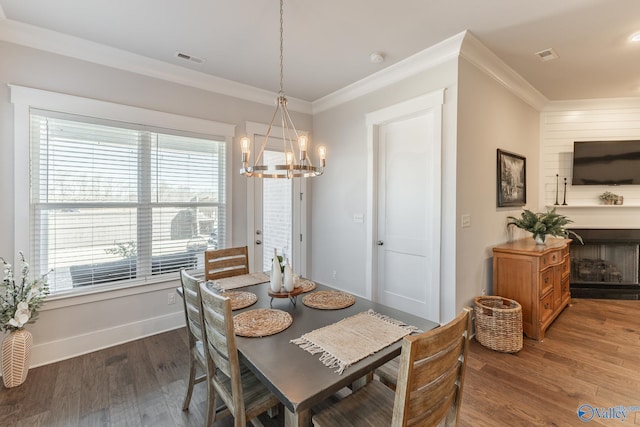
[[281, 47]]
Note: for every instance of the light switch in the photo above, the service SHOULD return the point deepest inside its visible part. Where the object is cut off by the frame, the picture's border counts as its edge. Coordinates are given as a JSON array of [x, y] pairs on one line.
[[465, 221]]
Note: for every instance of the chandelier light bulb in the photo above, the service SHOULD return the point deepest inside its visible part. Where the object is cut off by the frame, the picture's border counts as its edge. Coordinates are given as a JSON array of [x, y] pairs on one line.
[[244, 145], [322, 153], [302, 142]]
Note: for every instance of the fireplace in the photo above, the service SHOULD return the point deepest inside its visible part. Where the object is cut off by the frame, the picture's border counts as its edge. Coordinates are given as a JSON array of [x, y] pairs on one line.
[[607, 265]]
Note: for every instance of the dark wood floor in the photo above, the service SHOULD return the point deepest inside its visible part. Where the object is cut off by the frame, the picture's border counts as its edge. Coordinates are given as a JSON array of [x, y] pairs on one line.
[[590, 355]]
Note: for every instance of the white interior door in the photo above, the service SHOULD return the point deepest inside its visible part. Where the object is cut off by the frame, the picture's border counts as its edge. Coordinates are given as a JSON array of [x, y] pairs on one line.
[[277, 211], [407, 254]]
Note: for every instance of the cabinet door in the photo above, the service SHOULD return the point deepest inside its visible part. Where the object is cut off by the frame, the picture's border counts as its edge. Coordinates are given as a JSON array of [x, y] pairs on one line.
[[566, 290], [546, 307], [546, 281]]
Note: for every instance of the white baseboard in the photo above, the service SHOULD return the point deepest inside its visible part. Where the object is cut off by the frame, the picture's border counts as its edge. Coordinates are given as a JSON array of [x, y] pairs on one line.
[[54, 351]]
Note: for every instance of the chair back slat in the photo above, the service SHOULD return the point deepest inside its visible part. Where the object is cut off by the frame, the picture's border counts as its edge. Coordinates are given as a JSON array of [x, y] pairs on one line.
[[445, 387], [431, 374], [191, 304], [426, 372], [228, 262]]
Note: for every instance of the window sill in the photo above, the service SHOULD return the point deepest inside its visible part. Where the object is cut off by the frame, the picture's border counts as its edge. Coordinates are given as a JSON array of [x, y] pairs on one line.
[[90, 294]]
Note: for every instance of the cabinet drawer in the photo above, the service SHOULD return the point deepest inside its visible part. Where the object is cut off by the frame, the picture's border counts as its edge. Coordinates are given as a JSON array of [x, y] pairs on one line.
[[546, 281], [552, 258], [546, 307]]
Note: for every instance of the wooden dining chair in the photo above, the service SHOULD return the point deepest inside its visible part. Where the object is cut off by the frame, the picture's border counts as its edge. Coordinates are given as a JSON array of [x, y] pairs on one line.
[[429, 385], [221, 263], [241, 391], [191, 302]]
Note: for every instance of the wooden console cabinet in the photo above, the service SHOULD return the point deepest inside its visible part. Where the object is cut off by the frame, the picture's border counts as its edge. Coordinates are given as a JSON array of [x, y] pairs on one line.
[[537, 277]]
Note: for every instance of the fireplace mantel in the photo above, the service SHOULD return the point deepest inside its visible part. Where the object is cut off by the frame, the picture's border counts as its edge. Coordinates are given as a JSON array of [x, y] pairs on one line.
[[601, 216]]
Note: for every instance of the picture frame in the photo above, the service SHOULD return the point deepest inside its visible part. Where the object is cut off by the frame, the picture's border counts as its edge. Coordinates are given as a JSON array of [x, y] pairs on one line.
[[512, 179]]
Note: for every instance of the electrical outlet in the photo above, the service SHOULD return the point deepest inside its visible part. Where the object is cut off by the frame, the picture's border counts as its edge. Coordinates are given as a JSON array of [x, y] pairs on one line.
[[333, 276], [484, 291], [171, 298]]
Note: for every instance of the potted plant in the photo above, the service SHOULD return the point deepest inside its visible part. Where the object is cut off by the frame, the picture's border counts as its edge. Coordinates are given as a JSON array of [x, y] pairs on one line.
[[19, 303], [543, 224]]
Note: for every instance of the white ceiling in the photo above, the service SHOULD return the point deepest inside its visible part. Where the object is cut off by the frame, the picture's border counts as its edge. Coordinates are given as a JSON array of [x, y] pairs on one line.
[[328, 42]]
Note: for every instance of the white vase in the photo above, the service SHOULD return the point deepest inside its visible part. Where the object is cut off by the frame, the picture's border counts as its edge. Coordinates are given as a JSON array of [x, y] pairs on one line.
[[539, 240], [276, 273], [16, 357], [288, 281]]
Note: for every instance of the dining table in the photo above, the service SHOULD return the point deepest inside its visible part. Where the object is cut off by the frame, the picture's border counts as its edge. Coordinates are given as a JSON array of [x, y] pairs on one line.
[[298, 378]]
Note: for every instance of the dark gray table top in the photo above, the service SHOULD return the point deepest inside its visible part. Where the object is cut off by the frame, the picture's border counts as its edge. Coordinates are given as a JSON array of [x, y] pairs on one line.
[[297, 377]]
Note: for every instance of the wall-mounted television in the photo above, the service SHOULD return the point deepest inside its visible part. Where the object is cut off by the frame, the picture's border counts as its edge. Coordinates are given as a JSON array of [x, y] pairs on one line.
[[606, 162]]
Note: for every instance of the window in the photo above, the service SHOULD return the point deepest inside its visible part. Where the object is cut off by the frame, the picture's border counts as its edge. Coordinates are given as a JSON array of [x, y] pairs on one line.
[[111, 201], [98, 187]]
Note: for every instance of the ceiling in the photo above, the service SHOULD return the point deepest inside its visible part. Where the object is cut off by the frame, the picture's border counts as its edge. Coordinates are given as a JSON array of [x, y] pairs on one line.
[[328, 42]]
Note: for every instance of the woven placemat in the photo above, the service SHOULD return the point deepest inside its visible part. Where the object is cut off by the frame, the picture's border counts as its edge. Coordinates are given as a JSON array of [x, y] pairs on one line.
[[306, 285], [352, 339], [328, 300], [261, 322], [240, 299]]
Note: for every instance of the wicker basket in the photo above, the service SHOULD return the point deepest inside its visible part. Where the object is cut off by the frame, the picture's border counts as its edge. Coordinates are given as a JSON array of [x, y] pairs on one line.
[[498, 323]]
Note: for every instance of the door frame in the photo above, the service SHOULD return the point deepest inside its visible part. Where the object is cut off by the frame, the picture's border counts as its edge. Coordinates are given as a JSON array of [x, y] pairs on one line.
[[300, 232], [374, 120]]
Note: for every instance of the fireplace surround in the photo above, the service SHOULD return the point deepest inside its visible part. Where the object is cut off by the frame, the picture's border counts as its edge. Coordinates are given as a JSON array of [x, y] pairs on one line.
[[607, 265]]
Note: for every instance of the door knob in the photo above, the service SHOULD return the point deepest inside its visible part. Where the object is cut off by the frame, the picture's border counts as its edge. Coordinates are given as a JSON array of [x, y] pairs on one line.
[[258, 242], [380, 243]]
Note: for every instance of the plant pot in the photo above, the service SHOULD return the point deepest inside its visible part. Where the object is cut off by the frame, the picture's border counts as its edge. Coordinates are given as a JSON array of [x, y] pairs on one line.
[[16, 357], [539, 240]]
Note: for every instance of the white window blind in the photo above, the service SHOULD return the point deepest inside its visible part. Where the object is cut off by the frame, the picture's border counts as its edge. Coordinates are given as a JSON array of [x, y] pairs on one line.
[[114, 201]]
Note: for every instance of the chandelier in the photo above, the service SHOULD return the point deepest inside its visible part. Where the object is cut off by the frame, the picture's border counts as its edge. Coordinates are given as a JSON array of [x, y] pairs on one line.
[[295, 166]]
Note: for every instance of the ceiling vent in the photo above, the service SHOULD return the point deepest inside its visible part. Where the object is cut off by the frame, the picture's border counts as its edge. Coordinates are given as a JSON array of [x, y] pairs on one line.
[[190, 58], [547, 55]]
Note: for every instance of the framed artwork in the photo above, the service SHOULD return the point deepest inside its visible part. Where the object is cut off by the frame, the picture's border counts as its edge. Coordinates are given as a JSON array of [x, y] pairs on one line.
[[512, 179]]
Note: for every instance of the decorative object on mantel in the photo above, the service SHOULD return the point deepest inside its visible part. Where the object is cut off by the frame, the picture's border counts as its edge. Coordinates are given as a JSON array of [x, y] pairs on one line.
[[294, 166], [556, 203], [608, 198], [19, 303], [564, 200], [543, 224]]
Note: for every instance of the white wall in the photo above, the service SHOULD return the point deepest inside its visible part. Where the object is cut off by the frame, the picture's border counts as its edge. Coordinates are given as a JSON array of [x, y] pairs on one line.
[[564, 122], [489, 117], [339, 243], [81, 324]]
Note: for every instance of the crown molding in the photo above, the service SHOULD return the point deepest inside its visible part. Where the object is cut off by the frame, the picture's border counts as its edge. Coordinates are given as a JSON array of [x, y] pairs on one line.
[[424, 60], [479, 55], [74, 47]]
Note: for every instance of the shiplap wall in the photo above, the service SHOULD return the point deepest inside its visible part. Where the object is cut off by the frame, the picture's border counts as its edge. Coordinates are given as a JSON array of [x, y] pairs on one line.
[[564, 122]]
